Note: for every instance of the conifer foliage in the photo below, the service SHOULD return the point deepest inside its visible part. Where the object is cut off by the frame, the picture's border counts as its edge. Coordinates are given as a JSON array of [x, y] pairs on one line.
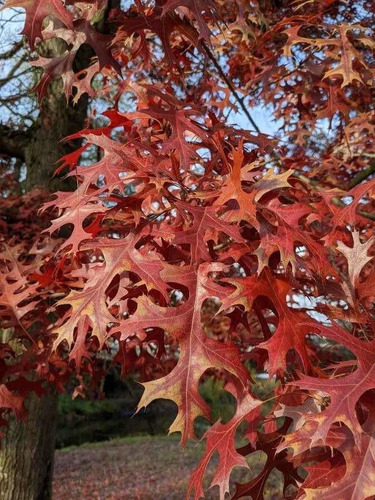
[[179, 207]]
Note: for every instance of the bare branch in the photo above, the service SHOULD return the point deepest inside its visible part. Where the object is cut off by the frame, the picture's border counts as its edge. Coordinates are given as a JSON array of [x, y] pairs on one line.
[[13, 50], [361, 176], [231, 86], [13, 71]]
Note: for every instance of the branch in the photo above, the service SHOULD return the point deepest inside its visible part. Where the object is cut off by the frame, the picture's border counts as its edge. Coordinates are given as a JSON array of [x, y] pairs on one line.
[[231, 87], [12, 72], [13, 142], [361, 176], [13, 50], [336, 200]]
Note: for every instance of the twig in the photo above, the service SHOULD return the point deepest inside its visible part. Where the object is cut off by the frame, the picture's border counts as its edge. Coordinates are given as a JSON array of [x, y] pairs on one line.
[[12, 72], [230, 85], [13, 50]]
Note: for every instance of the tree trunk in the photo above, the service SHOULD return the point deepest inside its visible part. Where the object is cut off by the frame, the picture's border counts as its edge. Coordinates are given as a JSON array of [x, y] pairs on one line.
[[57, 120], [26, 458], [26, 454]]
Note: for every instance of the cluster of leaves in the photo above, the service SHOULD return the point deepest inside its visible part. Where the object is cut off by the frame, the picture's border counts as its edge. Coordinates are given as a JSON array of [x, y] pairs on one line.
[[192, 246]]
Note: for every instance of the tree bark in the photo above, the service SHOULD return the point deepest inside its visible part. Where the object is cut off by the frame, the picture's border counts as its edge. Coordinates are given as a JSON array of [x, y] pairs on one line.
[[27, 451], [13, 142], [57, 120], [26, 454], [26, 458]]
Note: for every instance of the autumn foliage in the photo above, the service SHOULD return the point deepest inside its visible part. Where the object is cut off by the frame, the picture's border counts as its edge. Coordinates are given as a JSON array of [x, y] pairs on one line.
[[180, 208]]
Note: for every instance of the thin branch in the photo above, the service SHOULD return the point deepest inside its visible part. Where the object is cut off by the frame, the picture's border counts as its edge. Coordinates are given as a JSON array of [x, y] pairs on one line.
[[13, 50], [12, 73], [16, 97], [361, 176], [367, 215], [336, 201], [230, 85], [300, 65]]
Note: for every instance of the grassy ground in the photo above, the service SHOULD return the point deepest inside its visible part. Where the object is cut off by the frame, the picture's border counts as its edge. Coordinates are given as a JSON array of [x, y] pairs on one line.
[[142, 468], [137, 468]]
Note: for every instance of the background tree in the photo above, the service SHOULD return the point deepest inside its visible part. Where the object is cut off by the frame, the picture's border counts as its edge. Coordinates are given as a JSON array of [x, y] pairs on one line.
[[181, 207]]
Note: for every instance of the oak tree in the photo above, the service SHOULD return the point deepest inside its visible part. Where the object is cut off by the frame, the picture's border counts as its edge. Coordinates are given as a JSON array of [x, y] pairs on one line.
[[182, 207]]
